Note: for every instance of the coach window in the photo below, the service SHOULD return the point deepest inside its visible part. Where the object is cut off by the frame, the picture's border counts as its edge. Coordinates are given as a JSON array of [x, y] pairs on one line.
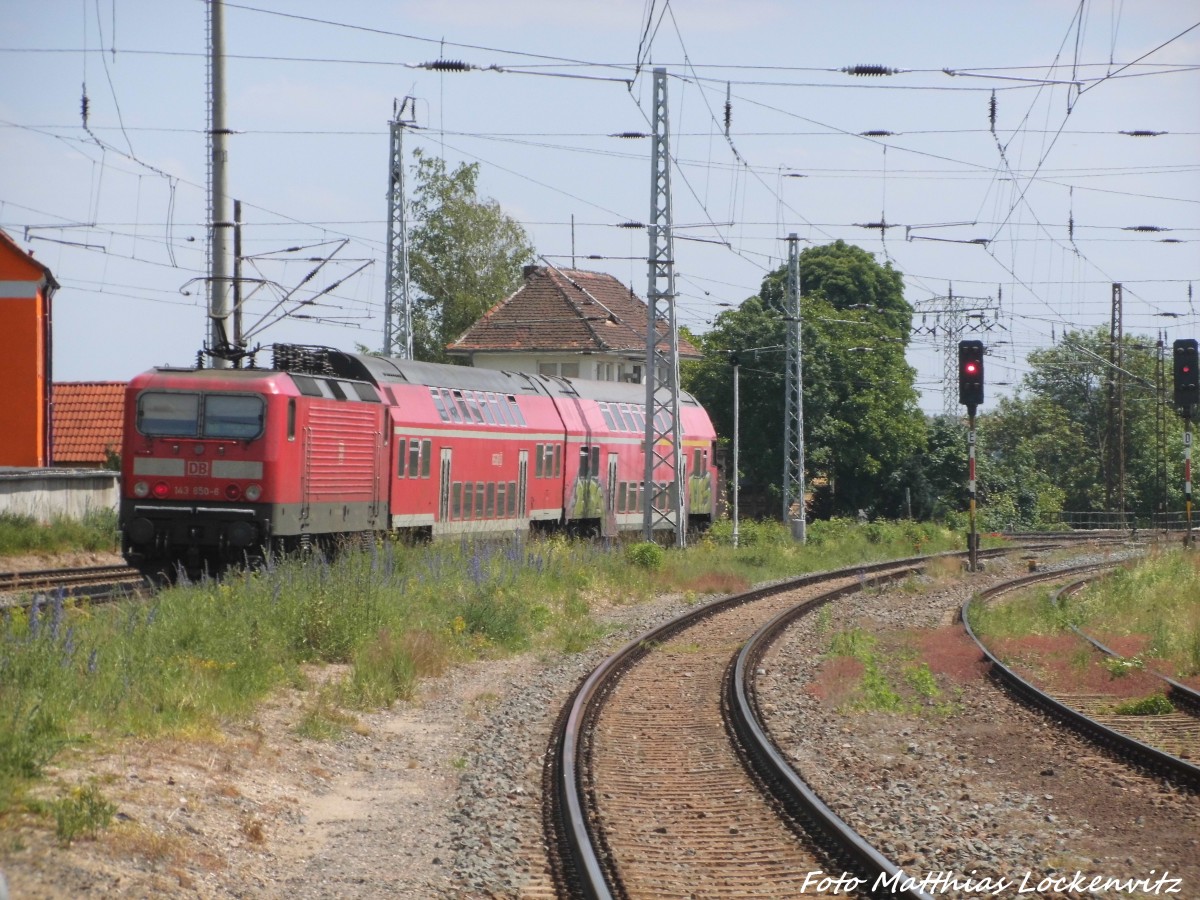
[[426, 453], [456, 501], [462, 407], [500, 495], [414, 458], [512, 499], [621, 493], [516, 409], [537, 461], [557, 460], [441, 407], [608, 418], [451, 409], [489, 510], [485, 408], [468, 499], [584, 457], [400, 457], [497, 413], [503, 413], [697, 466], [479, 499]]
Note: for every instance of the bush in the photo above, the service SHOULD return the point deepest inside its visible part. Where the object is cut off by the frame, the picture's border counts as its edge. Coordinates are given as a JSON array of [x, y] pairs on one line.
[[646, 555]]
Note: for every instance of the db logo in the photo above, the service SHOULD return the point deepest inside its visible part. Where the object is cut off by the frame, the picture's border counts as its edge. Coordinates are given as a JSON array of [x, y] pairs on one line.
[[197, 467]]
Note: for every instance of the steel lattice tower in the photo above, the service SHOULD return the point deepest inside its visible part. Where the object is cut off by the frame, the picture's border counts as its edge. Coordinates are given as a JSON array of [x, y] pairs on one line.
[[397, 310], [664, 497], [793, 419]]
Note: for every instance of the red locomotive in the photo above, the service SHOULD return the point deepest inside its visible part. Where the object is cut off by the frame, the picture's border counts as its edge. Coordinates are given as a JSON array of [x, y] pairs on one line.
[[219, 464]]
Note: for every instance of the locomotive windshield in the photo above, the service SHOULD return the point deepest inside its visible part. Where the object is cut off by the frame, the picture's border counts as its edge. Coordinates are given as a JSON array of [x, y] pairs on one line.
[[179, 414]]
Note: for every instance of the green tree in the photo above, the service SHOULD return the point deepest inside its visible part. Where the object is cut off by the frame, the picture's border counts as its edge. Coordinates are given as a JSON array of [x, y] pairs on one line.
[[1052, 437], [864, 434], [465, 254]]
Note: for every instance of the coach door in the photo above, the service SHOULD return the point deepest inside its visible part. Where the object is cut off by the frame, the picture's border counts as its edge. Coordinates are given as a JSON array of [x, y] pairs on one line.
[[444, 487], [522, 481]]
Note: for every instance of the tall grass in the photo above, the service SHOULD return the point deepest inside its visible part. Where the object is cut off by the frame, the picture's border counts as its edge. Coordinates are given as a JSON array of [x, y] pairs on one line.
[[96, 531], [1151, 607], [199, 654]]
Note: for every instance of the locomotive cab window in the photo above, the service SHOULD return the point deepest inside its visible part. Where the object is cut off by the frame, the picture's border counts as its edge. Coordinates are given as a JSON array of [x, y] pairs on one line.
[[238, 416], [168, 414]]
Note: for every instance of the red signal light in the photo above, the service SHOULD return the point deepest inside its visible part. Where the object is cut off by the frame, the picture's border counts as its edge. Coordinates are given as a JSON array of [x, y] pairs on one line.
[[160, 490]]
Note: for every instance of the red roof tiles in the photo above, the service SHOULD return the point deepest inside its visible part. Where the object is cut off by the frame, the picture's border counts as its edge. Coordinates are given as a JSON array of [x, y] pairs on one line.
[[564, 310], [88, 419]]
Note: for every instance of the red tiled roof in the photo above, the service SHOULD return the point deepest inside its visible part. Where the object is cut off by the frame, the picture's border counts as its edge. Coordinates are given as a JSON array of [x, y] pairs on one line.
[[564, 310], [88, 417]]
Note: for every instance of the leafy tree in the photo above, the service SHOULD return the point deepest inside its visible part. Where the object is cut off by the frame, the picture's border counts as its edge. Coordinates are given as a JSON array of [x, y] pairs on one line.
[[1052, 436], [465, 254], [863, 431]]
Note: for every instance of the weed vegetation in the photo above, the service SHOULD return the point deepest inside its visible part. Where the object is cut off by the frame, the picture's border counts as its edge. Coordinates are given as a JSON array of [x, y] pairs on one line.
[[1147, 612], [97, 531], [201, 654]]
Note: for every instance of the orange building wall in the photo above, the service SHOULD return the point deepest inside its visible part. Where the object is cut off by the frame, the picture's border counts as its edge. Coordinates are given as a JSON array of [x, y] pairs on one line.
[[25, 289]]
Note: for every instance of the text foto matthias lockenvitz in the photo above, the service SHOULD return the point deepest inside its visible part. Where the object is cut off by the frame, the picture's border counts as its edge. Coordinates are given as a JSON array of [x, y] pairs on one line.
[[1024, 883]]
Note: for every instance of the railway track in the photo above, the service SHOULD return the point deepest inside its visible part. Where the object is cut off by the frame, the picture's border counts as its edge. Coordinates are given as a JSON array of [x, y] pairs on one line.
[[90, 581], [1167, 744], [648, 795]]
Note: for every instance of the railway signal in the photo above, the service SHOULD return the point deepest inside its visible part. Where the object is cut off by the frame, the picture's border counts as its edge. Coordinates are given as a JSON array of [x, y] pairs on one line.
[[970, 374], [1187, 377]]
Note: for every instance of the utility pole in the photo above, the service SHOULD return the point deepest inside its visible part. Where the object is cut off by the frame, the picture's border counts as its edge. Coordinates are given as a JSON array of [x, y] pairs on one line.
[[218, 200], [793, 419], [1114, 469], [665, 498], [397, 307], [238, 341], [737, 440]]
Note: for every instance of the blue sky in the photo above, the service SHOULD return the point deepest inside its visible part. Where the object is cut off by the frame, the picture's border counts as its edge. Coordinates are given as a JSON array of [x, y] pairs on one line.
[[1033, 215]]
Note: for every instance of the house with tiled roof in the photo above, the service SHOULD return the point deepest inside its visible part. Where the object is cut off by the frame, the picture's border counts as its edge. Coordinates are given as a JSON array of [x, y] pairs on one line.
[[566, 322], [88, 420]]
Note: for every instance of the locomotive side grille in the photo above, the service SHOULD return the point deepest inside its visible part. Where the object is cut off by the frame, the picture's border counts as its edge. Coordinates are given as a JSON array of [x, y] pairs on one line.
[[342, 453]]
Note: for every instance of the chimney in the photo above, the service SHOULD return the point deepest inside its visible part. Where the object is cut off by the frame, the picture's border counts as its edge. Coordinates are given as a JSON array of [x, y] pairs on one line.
[[528, 271]]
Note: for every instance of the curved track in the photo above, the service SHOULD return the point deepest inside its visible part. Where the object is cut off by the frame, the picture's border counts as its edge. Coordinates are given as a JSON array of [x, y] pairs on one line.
[[1183, 735], [648, 796]]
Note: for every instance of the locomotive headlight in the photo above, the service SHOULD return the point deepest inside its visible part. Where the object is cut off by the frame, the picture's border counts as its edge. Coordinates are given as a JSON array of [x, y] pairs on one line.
[[160, 489], [141, 489], [253, 492]]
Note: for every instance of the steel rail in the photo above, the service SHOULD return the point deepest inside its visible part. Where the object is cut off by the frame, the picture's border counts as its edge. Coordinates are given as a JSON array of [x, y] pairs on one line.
[[1131, 748], [584, 868], [788, 787], [1187, 695]]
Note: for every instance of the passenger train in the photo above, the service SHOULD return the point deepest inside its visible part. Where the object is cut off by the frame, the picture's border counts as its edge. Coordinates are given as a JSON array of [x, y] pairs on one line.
[[220, 464]]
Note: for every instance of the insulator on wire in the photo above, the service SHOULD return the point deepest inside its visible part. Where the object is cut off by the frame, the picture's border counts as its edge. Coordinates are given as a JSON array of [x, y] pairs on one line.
[[1143, 133], [631, 224], [630, 134], [447, 65], [1145, 228], [878, 132], [992, 106], [869, 70]]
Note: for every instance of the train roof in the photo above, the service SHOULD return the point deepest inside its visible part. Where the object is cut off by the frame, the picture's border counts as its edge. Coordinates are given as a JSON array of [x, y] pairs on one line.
[[380, 370]]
